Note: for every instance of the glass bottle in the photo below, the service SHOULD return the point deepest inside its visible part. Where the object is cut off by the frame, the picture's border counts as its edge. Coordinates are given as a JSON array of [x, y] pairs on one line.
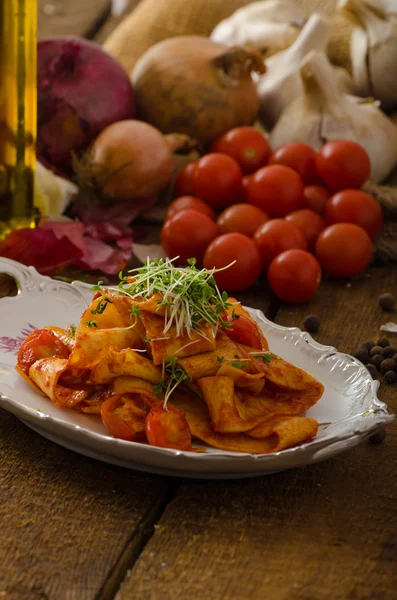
[[18, 112]]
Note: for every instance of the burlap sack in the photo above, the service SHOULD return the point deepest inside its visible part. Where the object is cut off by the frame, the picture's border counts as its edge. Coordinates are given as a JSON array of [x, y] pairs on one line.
[[156, 20]]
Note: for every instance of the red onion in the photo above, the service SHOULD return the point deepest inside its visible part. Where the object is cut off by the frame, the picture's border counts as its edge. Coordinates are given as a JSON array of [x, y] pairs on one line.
[[81, 90]]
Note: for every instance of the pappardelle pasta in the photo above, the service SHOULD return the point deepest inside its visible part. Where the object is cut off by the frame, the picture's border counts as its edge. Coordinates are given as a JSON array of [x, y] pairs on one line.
[[166, 359]]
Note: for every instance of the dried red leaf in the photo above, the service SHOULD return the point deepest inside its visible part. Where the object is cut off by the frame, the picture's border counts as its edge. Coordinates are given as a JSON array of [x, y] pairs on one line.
[[40, 248]]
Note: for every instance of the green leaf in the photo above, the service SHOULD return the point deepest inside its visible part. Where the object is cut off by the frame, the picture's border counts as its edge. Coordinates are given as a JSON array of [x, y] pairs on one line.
[[240, 365]]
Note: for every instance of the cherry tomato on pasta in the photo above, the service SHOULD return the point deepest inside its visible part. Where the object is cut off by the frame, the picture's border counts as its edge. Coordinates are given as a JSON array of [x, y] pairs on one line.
[[343, 164], [167, 427], [187, 203], [294, 276], [344, 249], [244, 218], [243, 331], [40, 344], [218, 180], [315, 197], [309, 222], [187, 235], [299, 157], [276, 189], [246, 145], [355, 206], [120, 419], [184, 185], [277, 235], [238, 249]]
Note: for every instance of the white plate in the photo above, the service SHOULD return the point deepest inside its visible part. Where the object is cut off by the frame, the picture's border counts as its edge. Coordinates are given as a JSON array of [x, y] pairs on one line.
[[348, 412]]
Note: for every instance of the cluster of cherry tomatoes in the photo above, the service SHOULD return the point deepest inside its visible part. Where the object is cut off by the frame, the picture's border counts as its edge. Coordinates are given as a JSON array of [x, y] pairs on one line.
[[291, 213]]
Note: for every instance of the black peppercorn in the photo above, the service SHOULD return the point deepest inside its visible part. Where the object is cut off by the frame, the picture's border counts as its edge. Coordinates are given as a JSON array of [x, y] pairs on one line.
[[387, 302], [387, 365], [378, 437], [395, 357], [372, 370], [312, 323], [368, 344], [383, 342], [377, 360], [390, 377], [362, 354], [388, 352], [375, 350]]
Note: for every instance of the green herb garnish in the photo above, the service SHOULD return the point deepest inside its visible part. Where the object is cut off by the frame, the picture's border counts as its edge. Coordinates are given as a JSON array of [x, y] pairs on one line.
[[240, 365], [172, 375], [266, 357], [101, 306], [190, 295], [220, 359], [92, 324], [72, 329]]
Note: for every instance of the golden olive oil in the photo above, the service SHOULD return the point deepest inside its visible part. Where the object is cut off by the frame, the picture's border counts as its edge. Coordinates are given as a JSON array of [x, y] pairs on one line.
[[18, 112]]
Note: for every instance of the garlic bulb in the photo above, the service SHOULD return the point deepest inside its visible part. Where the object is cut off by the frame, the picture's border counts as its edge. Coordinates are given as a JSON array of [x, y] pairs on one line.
[[268, 26], [323, 114], [281, 84], [373, 47]]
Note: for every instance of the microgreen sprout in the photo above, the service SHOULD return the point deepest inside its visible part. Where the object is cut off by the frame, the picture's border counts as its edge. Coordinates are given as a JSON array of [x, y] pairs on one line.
[[240, 365], [172, 375], [265, 356], [72, 329], [92, 324], [220, 359], [189, 295], [101, 306]]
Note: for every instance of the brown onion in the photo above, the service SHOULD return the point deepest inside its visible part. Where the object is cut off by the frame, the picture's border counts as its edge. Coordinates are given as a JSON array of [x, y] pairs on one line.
[[191, 85], [131, 159]]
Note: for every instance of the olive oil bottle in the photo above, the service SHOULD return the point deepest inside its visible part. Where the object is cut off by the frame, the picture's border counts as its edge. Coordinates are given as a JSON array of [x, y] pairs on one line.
[[18, 112]]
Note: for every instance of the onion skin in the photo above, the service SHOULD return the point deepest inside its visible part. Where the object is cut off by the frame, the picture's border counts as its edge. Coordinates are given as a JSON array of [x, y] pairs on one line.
[[191, 85], [131, 160], [81, 90]]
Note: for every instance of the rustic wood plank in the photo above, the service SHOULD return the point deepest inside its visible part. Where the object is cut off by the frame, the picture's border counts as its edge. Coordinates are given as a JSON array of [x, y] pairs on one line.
[[326, 531], [121, 8], [72, 17], [69, 524]]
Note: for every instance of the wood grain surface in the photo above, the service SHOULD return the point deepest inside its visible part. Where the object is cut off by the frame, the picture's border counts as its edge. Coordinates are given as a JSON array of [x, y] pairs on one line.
[[68, 523], [72, 17], [327, 531]]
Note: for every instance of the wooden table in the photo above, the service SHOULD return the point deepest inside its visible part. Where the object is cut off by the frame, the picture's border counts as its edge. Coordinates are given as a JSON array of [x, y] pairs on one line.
[[73, 528]]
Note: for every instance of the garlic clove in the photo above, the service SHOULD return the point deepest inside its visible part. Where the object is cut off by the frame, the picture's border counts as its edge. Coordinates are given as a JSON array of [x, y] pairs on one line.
[[267, 25], [322, 114], [281, 83], [373, 47]]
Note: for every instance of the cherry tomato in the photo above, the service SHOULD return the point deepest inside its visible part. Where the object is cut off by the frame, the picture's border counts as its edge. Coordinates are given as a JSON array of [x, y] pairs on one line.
[[230, 247], [187, 235], [244, 218], [278, 235], [184, 181], [276, 189], [354, 206], [294, 276], [299, 157], [344, 249], [343, 164], [315, 197], [167, 427], [218, 180], [246, 145], [309, 222], [189, 202], [243, 331], [120, 419], [41, 343]]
